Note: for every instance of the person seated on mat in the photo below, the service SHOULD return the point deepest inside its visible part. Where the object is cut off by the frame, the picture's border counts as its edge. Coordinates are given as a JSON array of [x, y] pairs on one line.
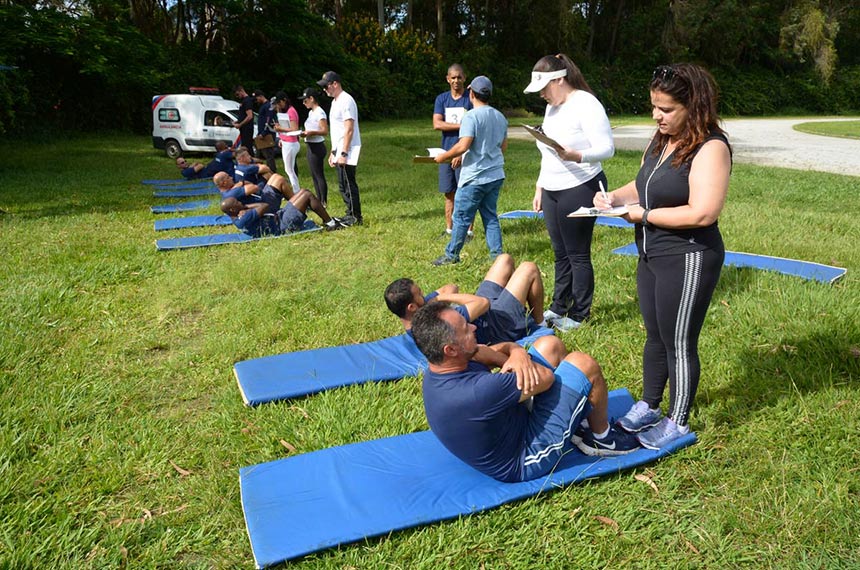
[[484, 418], [247, 171], [223, 162], [276, 189], [260, 219], [501, 308]]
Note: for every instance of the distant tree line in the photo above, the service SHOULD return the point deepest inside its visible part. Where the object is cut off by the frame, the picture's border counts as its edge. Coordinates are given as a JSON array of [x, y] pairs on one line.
[[90, 65]]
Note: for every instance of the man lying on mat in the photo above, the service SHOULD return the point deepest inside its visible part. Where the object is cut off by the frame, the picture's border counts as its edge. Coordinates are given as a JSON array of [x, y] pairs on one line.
[[273, 191], [501, 308], [223, 162], [261, 219], [484, 419]]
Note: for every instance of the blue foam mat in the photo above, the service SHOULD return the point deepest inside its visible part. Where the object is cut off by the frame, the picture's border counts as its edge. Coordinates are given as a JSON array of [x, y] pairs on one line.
[[296, 374], [795, 267], [187, 192], [192, 222], [222, 239], [611, 221], [181, 207], [311, 502], [172, 181]]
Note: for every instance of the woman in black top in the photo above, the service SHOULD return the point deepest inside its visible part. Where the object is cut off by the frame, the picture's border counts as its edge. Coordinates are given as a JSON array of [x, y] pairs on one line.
[[675, 201]]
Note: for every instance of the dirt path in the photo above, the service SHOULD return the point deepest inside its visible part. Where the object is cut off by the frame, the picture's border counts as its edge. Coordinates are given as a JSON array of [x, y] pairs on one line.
[[768, 142]]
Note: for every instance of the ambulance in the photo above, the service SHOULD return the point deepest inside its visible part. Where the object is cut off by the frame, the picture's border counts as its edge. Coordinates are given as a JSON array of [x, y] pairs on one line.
[[194, 122]]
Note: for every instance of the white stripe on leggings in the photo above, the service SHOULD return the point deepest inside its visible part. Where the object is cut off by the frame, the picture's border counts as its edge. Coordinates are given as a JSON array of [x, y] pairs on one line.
[[692, 278]]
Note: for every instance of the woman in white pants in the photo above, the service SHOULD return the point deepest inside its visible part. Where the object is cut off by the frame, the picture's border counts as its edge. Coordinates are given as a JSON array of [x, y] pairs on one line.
[[288, 121]]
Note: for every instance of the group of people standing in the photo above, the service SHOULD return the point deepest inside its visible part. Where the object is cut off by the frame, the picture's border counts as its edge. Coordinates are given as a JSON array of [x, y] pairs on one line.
[[674, 202], [278, 127]]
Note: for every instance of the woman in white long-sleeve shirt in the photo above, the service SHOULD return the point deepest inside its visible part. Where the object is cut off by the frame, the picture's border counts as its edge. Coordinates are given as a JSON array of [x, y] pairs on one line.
[[570, 175]]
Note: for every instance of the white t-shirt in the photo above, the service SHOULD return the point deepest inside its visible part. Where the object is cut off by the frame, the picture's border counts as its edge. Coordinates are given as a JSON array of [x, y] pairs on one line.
[[579, 123], [312, 123], [342, 109]]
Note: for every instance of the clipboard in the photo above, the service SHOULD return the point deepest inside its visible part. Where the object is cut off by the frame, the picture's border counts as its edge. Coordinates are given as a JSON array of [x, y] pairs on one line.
[[538, 133], [429, 158]]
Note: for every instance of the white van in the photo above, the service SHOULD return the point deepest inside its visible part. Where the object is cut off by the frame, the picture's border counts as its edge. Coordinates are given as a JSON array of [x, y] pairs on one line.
[[194, 121]]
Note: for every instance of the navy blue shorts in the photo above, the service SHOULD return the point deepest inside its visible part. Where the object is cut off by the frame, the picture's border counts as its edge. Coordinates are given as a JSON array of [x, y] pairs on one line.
[[290, 218], [448, 178], [507, 320]]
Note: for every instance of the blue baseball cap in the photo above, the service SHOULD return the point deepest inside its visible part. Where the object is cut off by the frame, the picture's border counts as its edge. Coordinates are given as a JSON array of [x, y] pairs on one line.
[[482, 85]]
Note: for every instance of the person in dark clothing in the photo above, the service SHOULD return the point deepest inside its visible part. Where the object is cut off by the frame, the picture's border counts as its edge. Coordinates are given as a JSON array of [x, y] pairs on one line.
[[245, 124]]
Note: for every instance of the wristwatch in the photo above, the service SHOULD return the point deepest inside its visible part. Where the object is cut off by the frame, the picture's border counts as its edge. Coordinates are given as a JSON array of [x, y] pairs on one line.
[[645, 216], [344, 154]]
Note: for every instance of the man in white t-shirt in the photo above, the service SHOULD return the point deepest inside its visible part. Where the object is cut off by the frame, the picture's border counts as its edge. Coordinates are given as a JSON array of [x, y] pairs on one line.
[[345, 144]]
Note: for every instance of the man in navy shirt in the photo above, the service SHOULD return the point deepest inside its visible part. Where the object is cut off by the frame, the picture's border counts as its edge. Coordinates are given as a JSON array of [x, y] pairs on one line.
[[248, 171], [260, 220], [265, 119], [245, 124], [483, 417], [223, 162], [272, 193], [501, 308], [448, 111]]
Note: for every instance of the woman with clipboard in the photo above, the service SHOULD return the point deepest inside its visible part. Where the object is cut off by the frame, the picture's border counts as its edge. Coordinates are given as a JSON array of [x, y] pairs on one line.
[[570, 176]]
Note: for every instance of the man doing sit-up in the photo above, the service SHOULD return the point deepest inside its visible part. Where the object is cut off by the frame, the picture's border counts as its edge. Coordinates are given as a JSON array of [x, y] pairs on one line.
[[223, 162], [483, 418], [275, 189], [260, 219], [501, 308]]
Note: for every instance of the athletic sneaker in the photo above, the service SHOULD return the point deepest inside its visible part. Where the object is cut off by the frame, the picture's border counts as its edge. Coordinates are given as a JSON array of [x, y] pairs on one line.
[[563, 324], [616, 442], [333, 225], [444, 260], [639, 417], [350, 220], [663, 433]]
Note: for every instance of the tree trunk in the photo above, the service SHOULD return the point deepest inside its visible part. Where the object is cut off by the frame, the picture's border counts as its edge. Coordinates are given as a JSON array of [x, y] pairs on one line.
[[380, 12], [440, 23]]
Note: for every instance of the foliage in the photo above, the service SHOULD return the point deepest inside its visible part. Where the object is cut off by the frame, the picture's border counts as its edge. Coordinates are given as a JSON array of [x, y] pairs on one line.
[[809, 33]]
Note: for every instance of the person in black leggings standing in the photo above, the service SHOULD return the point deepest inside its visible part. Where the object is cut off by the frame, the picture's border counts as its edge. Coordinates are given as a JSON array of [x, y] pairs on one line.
[[314, 133], [675, 201], [570, 175]]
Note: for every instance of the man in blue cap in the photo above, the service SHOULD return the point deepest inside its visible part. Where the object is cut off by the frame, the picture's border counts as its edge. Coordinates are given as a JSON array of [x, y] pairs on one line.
[[484, 133]]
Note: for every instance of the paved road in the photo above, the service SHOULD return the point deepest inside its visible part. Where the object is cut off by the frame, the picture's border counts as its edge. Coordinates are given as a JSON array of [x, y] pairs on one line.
[[769, 142]]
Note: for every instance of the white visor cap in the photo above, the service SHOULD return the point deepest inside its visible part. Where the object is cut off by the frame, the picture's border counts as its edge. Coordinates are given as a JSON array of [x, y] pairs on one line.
[[541, 78]]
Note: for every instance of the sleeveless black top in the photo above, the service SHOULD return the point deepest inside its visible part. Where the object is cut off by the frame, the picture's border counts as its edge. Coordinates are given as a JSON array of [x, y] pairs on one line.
[[665, 186]]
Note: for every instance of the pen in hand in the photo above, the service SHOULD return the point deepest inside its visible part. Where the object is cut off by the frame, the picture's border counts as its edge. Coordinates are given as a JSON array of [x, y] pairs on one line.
[[604, 194]]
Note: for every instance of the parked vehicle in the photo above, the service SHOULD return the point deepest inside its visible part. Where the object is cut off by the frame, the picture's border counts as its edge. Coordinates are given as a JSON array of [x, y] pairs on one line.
[[193, 121]]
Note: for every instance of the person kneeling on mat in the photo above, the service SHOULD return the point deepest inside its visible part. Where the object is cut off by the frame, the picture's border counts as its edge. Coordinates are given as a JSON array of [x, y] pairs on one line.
[[501, 308], [483, 418], [259, 219]]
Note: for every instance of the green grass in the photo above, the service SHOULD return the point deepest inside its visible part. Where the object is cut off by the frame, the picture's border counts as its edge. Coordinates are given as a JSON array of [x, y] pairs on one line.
[[842, 129], [117, 362]]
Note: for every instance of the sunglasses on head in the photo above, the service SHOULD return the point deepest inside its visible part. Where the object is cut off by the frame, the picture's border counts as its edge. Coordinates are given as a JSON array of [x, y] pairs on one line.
[[663, 73]]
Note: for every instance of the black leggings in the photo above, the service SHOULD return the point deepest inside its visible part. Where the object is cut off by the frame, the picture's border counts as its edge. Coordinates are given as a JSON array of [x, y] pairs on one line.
[[316, 163], [571, 244], [674, 294]]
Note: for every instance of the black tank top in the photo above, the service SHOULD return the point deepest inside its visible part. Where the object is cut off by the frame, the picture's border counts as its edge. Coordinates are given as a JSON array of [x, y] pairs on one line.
[[665, 186]]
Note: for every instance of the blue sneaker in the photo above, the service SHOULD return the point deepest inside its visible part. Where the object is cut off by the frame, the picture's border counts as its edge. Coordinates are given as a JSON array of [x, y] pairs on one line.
[[664, 432], [639, 417], [616, 442]]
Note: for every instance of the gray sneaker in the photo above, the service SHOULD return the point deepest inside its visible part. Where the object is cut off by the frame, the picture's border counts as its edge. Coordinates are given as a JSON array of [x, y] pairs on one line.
[[566, 324], [663, 433], [639, 417], [444, 260]]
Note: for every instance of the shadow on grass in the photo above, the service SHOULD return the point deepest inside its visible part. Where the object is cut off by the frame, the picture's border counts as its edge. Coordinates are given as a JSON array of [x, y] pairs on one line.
[[787, 368]]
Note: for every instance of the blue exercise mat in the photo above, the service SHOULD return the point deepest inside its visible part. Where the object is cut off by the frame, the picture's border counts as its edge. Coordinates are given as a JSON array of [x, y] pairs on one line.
[[221, 239], [173, 181], [296, 374], [186, 193], [311, 502], [181, 207], [610, 221], [192, 222], [804, 269]]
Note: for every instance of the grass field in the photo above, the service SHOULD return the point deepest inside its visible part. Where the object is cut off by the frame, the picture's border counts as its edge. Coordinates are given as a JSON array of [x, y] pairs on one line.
[[844, 129], [123, 429]]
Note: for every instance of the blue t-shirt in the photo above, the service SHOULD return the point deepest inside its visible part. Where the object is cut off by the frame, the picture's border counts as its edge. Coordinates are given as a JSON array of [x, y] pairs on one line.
[[484, 162], [189, 173], [223, 162], [265, 117], [252, 224], [477, 416], [445, 101], [248, 173]]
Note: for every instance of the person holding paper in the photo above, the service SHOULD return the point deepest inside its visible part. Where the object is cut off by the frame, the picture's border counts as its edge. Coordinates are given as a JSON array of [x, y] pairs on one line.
[[570, 175], [483, 140], [316, 128], [448, 112], [345, 144], [288, 122], [675, 201]]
